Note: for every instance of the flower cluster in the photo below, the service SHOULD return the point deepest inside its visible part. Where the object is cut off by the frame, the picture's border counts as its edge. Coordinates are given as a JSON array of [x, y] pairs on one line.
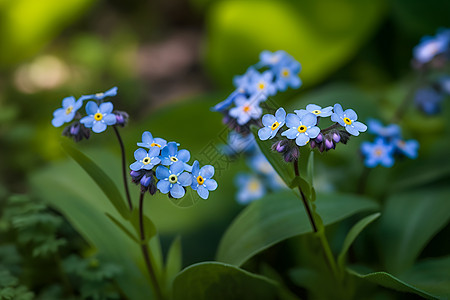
[[302, 128], [100, 114], [172, 173], [277, 72], [387, 144]]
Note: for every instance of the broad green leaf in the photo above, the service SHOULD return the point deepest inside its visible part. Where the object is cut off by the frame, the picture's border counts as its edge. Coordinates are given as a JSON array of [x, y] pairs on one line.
[[429, 278], [310, 168], [409, 221], [280, 216], [174, 262], [124, 228], [353, 234], [213, 280], [106, 184], [285, 170]]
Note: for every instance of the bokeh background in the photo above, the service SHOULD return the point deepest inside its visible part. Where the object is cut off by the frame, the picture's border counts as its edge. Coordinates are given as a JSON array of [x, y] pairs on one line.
[[172, 60]]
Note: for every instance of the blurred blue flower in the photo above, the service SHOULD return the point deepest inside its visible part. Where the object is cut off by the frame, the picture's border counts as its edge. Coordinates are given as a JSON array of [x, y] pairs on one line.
[[272, 124], [145, 160], [67, 112], [430, 46], [347, 119], [228, 101], [378, 153], [99, 117], [148, 141], [444, 84], [173, 179], [262, 85], [238, 143], [389, 131], [259, 163], [250, 188], [428, 100], [408, 148], [319, 111], [287, 75], [242, 82], [301, 129], [99, 96], [170, 154], [202, 181], [246, 109], [273, 60]]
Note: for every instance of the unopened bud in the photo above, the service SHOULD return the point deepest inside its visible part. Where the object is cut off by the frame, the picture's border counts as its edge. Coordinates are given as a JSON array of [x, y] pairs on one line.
[[336, 137], [319, 138]]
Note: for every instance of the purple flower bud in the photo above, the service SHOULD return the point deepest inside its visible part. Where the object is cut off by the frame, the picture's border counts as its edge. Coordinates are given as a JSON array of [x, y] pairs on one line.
[[134, 174], [119, 119], [313, 144], [336, 137], [321, 147], [319, 138], [329, 144], [278, 146], [74, 129], [145, 181]]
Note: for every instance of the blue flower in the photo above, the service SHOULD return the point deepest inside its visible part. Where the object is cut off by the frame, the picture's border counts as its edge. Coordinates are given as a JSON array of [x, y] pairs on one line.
[[408, 148], [201, 179], [170, 154], [228, 101], [238, 143], [250, 188], [67, 112], [269, 59], [259, 163], [99, 96], [148, 141], [389, 131], [428, 100], [145, 160], [430, 46], [287, 75], [378, 153], [347, 119], [272, 124], [242, 82], [262, 85], [444, 84], [301, 129], [99, 117], [246, 109], [173, 179]]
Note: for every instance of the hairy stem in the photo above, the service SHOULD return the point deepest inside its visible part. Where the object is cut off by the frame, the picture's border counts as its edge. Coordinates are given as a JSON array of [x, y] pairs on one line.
[[124, 172], [145, 250]]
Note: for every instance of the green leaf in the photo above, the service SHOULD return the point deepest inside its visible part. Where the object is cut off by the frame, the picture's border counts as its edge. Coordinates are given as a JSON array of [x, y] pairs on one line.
[[310, 168], [429, 278], [123, 228], [149, 227], [174, 262], [213, 280], [285, 170], [353, 234], [280, 216], [106, 184], [408, 222]]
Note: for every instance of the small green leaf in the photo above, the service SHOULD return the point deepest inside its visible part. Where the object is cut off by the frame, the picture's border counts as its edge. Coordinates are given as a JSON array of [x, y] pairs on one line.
[[105, 183], [174, 262], [213, 280], [280, 216], [283, 169], [353, 234], [304, 185], [123, 228], [149, 227]]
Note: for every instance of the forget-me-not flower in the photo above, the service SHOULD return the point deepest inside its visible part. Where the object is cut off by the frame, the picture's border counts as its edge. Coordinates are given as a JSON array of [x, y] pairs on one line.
[[315, 109], [173, 179], [170, 154], [99, 117], [145, 160], [408, 148], [272, 124], [378, 153], [246, 109], [301, 129], [347, 119], [67, 112], [238, 143], [269, 59], [250, 188], [430, 46], [202, 181], [148, 141], [100, 96], [287, 75], [262, 85], [428, 100], [389, 131]]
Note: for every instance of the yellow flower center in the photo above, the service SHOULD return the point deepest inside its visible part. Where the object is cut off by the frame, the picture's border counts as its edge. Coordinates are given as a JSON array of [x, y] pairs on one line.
[[173, 158], [200, 180], [378, 152], [146, 160], [275, 125], [261, 85], [173, 178], [401, 144], [69, 110], [347, 121], [316, 112], [285, 73], [155, 144], [253, 185], [99, 95], [246, 108], [98, 116], [302, 128]]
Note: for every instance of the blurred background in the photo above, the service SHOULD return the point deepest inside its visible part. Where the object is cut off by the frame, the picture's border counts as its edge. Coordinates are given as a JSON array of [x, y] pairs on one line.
[[171, 61]]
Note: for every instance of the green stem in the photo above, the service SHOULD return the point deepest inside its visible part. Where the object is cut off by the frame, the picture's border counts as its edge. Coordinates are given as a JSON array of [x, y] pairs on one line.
[[124, 172], [305, 201], [145, 250]]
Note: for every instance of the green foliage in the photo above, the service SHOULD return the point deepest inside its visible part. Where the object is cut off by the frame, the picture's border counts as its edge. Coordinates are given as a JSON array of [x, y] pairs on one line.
[[279, 216], [173, 262], [10, 289]]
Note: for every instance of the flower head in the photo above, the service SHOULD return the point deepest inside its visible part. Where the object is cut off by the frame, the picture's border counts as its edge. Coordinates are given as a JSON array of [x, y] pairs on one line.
[[242, 82], [173, 180], [408, 148], [301, 129], [99, 117], [272, 124], [202, 181], [149, 142], [67, 112], [428, 100], [246, 109], [315, 109], [170, 154], [262, 85], [347, 119], [389, 131], [430, 46], [269, 59], [238, 143], [287, 75], [145, 160], [379, 152], [250, 188], [100, 96]]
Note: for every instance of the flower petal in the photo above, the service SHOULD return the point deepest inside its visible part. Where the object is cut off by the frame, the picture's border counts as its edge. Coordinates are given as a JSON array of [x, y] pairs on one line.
[[351, 114], [338, 110], [184, 155], [106, 108], [291, 133], [177, 191], [139, 154], [68, 101], [207, 171], [352, 130], [154, 151], [162, 172], [110, 119], [195, 168], [88, 121], [302, 139], [312, 107], [136, 166], [185, 179], [177, 167], [309, 119], [147, 137], [203, 192], [268, 120], [99, 127], [264, 133], [313, 132], [163, 186], [301, 112], [280, 114], [359, 126], [292, 120], [210, 184]]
